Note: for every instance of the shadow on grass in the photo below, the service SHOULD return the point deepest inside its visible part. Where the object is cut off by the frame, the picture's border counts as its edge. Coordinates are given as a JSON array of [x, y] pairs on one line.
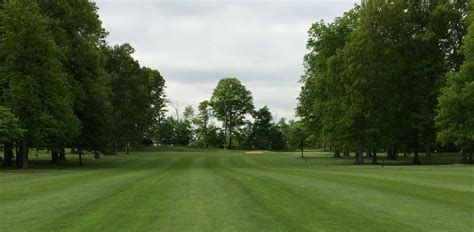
[[437, 159]]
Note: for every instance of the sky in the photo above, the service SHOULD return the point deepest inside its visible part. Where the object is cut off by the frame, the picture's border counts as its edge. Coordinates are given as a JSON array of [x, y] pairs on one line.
[[196, 43]]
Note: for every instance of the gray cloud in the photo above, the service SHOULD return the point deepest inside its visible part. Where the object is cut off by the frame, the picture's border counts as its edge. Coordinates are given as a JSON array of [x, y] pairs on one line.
[[196, 43]]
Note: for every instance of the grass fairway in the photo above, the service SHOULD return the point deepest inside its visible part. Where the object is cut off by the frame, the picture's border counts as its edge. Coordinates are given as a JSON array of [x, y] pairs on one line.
[[193, 190]]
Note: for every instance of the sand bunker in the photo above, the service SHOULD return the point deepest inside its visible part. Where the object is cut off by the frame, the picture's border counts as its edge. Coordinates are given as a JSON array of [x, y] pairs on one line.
[[254, 152]]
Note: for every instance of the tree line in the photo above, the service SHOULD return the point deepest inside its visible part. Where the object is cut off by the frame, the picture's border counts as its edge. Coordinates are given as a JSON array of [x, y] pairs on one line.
[[227, 120], [62, 85], [394, 76]]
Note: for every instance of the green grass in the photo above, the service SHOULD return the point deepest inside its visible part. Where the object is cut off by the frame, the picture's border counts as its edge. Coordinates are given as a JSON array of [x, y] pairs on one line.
[[213, 190]]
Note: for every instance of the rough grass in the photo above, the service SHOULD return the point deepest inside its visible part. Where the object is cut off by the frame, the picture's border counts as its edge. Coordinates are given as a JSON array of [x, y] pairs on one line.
[[201, 190]]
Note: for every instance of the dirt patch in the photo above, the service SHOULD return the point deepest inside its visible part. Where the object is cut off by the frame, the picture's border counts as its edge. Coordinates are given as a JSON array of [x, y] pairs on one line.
[[254, 152]]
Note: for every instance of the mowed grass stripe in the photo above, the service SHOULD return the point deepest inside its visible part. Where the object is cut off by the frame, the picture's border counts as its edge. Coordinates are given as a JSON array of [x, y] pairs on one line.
[[135, 205], [459, 193], [432, 179], [64, 203], [367, 198], [311, 208]]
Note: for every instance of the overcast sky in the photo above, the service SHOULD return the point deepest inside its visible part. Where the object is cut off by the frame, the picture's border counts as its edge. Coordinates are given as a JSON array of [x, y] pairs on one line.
[[196, 43]]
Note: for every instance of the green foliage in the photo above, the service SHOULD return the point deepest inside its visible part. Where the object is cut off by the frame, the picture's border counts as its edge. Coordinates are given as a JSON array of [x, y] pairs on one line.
[[9, 126], [456, 103], [137, 99], [230, 102], [77, 30], [206, 133], [156, 102], [372, 77], [175, 132], [66, 86], [298, 135], [38, 90]]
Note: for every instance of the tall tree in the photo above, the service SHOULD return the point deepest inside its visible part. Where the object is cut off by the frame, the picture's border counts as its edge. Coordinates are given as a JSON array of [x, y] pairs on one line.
[[38, 89], [230, 102], [456, 103], [78, 32], [157, 102], [431, 50], [262, 127], [129, 96], [320, 106], [202, 120]]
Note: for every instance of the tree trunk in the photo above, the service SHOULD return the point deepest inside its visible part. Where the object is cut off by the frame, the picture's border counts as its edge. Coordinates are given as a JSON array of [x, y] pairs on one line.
[[346, 152], [369, 153], [22, 155], [302, 149], [392, 152], [113, 148], [126, 147], [463, 155], [389, 153], [62, 153], [416, 158], [80, 156], [8, 155], [428, 158], [395, 151], [96, 155], [337, 153], [225, 135], [54, 155], [230, 139], [470, 154], [374, 157], [360, 154]]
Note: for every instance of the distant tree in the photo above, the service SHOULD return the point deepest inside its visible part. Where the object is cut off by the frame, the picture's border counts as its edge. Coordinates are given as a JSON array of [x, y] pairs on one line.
[[188, 113], [202, 123], [230, 102], [298, 136], [245, 135], [262, 128], [216, 136], [167, 132], [276, 136], [184, 133]]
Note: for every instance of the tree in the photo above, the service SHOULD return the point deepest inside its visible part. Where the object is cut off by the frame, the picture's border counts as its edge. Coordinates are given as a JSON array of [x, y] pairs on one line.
[[9, 131], [456, 103], [298, 136], [77, 30], [372, 77], [202, 122], [262, 128], [230, 102], [431, 50], [130, 100], [157, 101], [38, 91], [320, 102]]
